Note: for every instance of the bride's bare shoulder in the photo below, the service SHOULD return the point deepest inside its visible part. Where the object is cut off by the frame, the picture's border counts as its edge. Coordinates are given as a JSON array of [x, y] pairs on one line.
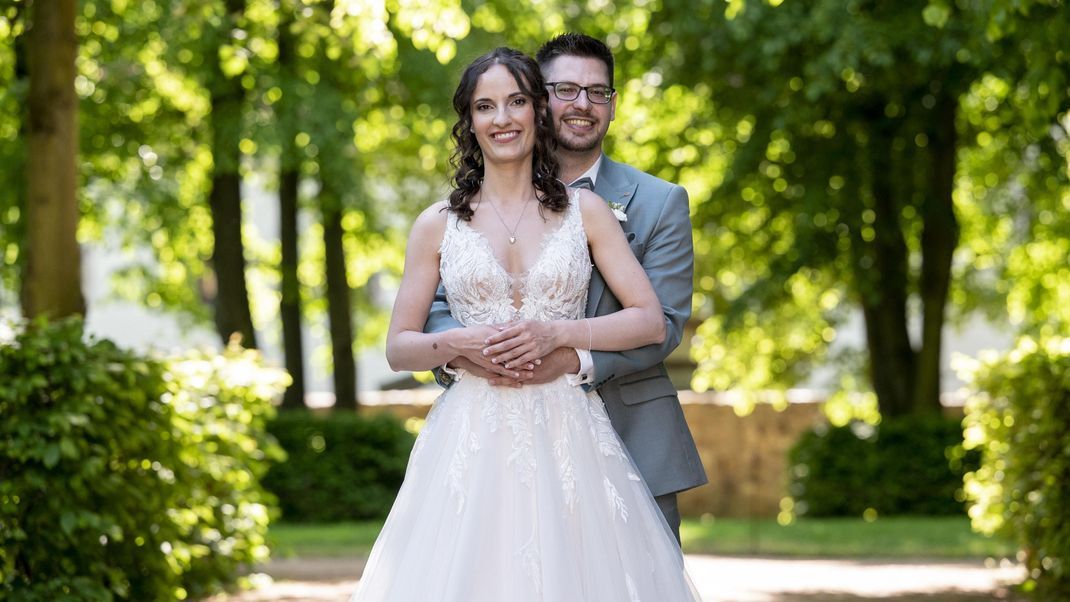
[[592, 206], [430, 226]]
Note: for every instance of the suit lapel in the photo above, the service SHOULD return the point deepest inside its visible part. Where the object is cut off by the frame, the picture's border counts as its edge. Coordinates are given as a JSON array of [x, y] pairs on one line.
[[614, 186]]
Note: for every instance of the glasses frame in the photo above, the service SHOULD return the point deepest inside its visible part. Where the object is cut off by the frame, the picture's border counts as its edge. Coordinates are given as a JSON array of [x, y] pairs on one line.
[[583, 89]]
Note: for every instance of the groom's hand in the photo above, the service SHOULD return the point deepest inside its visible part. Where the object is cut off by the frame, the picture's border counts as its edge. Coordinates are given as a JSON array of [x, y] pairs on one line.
[[551, 366], [483, 368], [509, 381], [562, 360]]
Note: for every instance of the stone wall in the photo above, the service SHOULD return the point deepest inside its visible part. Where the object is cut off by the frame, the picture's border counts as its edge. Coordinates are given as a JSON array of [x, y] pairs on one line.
[[745, 456]]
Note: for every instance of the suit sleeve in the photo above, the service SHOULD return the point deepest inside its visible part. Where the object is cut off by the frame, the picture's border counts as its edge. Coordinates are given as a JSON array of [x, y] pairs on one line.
[[438, 320], [669, 262]]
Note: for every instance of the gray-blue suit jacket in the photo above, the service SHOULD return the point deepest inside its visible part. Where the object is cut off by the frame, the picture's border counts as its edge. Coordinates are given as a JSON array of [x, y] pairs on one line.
[[639, 397]]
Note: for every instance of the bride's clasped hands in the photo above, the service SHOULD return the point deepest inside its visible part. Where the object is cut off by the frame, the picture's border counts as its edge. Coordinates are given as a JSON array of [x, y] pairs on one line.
[[523, 344]]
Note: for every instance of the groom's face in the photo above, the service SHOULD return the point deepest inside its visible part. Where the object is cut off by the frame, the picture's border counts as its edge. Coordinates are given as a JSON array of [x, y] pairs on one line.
[[580, 124]]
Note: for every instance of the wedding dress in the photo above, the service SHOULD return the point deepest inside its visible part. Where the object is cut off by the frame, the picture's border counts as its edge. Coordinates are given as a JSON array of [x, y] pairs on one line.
[[521, 495]]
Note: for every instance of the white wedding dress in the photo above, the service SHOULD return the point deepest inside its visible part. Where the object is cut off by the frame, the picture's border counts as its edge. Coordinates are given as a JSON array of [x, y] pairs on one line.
[[521, 495]]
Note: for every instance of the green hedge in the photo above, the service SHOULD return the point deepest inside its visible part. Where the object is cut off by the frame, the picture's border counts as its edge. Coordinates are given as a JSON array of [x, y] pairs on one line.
[[126, 477], [1019, 418], [340, 466], [905, 466]]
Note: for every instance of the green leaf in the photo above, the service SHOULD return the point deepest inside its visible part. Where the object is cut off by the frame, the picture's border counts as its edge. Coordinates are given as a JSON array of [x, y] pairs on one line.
[[51, 455], [68, 521], [68, 448], [936, 13]]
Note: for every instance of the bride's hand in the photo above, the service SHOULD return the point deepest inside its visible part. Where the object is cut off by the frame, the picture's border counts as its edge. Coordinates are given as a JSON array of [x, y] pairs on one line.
[[470, 341], [521, 343]]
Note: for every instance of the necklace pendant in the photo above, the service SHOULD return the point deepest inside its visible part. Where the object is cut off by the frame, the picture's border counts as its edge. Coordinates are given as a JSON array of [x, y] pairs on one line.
[[512, 240]]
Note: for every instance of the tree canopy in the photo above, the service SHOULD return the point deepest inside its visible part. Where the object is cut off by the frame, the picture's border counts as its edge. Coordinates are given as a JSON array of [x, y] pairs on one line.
[[906, 160], [855, 175]]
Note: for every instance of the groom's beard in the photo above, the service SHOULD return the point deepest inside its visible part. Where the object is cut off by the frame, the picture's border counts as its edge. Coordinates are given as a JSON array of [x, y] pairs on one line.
[[570, 141], [580, 146]]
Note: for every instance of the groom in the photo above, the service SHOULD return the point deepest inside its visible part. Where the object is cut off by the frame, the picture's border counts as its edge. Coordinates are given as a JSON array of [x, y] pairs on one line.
[[641, 401]]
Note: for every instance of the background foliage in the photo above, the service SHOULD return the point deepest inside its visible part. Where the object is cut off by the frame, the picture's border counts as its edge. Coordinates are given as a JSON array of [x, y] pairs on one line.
[[340, 466], [828, 123], [129, 477], [902, 466], [1018, 418]]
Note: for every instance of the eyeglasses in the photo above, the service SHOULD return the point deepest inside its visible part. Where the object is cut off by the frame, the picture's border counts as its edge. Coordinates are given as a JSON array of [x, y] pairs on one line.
[[597, 94]]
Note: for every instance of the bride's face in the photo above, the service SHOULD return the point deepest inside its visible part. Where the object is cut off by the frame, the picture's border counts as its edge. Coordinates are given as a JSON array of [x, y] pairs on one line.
[[503, 117]]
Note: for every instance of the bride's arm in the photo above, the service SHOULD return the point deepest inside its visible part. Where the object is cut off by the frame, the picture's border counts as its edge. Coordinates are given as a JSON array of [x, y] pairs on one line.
[[640, 321], [407, 346]]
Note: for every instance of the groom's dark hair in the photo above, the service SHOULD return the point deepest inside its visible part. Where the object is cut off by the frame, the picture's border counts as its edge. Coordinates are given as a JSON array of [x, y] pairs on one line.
[[576, 44]]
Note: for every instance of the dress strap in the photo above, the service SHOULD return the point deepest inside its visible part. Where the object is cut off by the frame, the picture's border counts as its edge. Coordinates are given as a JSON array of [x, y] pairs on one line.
[[573, 204], [451, 226], [574, 216]]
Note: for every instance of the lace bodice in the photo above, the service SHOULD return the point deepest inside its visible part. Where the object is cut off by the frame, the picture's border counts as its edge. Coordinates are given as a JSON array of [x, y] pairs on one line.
[[481, 291]]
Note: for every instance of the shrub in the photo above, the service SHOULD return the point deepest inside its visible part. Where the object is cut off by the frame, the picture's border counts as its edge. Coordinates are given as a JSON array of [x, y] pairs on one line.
[[1018, 416], [340, 466], [127, 477], [222, 403], [911, 465]]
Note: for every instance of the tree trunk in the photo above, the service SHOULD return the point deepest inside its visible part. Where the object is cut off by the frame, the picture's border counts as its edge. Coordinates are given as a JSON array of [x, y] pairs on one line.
[[884, 292], [339, 308], [290, 306], [52, 279], [232, 313], [939, 238]]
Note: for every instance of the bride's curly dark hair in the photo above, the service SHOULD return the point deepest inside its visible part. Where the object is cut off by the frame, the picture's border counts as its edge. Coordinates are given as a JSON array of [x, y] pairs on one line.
[[467, 156]]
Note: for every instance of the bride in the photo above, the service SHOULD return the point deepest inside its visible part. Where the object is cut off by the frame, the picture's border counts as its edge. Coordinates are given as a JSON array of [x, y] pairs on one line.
[[519, 494]]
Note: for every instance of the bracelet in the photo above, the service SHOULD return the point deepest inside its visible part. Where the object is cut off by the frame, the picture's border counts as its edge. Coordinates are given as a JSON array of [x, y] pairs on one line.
[[588, 321]]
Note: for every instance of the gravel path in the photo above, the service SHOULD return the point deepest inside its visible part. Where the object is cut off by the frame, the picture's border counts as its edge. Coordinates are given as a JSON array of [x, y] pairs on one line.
[[718, 578]]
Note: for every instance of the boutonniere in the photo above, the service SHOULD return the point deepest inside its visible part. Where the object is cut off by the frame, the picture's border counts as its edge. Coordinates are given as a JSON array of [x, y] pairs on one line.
[[618, 211]]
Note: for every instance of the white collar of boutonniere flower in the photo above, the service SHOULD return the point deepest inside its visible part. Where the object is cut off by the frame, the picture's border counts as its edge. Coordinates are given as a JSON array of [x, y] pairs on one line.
[[618, 211]]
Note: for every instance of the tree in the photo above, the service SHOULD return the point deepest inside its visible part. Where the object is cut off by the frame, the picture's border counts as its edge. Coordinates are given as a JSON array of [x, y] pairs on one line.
[[347, 88], [361, 70], [227, 95], [339, 300], [289, 106], [842, 124], [1015, 191], [52, 279], [145, 150]]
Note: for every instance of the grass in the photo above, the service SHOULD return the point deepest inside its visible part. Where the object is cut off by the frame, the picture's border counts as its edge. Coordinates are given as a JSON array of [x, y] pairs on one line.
[[290, 540], [896, 537], [901, 537]]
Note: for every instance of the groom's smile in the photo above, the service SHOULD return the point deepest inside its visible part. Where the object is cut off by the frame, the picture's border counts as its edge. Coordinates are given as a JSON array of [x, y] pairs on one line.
[[579, 123]]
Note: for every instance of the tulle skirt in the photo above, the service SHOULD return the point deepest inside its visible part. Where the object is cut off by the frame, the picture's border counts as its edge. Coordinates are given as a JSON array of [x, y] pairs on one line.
[[523, 495]]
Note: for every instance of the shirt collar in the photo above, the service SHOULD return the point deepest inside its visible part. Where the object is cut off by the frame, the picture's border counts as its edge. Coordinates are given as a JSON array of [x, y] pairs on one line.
[[592, 172]]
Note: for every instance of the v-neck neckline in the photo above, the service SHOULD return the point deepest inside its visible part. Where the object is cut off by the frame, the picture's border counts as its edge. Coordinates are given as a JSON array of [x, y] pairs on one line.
[[544, 242]]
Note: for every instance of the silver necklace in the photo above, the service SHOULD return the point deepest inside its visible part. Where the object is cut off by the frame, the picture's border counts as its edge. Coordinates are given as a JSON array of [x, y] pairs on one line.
[[512, 232]]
